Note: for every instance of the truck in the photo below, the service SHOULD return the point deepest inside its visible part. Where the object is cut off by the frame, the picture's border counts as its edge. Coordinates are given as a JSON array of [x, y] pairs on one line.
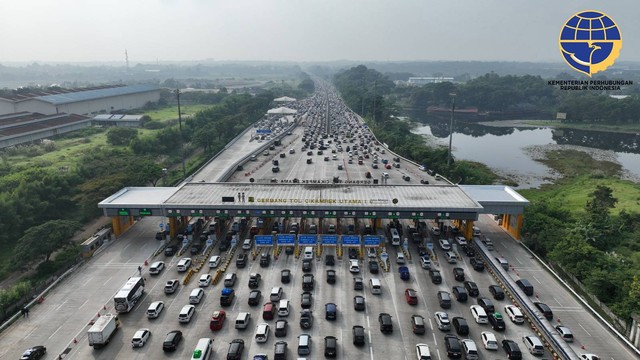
[[102, 330]]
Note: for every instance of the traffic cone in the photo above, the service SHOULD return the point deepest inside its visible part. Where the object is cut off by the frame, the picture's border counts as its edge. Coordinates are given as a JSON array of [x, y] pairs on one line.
[[75, 341]]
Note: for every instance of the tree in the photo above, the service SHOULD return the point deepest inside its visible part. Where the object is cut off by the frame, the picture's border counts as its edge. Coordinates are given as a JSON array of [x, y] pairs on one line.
[[121, 136], [44, 239]]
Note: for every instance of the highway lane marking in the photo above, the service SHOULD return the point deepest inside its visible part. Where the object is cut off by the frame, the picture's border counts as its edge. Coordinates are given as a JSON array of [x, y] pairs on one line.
[[518, 260], [86, 282], [559, 303], [536, 279], [585, 330], [60, 306], [109, 279], [30, 332], [84, 303], [50, 336]]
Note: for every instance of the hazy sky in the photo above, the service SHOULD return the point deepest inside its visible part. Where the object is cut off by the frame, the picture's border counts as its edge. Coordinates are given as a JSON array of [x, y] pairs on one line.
[[297, 30]]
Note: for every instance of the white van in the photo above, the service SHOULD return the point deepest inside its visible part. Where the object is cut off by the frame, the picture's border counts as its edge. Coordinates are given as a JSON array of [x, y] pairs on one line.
[[246, 245], [376, 286], [203, 349], [308, 253], [469, 349], [196, 295], [214, 261], [243, 319], [395, 237], [283, 308]]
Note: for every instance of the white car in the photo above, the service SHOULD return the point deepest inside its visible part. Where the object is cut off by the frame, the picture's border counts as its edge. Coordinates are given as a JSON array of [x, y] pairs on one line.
[[425, 262], [451, 257], [154, 310], [435, 230], [422, 352], [461, 241], [140, 337], [156, 267], [262, 332], [489, 340], [442, 319], [514, 314], [353, 266], [444, 244], [479, 314], [589, 357], [205, 280]]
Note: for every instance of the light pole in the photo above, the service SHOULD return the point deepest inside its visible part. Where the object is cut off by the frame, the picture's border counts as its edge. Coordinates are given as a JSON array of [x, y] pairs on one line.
[[453, 109], [184, 169]]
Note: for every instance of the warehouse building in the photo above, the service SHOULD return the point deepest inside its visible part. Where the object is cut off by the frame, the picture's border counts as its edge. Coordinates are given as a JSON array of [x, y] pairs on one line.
[[26, 127]]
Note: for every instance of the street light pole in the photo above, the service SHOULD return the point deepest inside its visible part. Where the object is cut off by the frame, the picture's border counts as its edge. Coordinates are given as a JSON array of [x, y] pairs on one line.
[[453, 109], [184, 168]]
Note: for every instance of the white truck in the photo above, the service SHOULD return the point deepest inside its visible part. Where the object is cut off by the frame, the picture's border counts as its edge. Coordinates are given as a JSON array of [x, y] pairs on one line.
[[102, 330]]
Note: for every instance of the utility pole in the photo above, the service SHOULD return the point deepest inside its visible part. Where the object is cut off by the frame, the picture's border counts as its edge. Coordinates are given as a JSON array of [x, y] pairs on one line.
[[453, 109], [184, 168]]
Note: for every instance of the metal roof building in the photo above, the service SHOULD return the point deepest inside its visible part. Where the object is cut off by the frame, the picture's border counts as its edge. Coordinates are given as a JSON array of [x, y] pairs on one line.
[[26, 127], [81, 101]]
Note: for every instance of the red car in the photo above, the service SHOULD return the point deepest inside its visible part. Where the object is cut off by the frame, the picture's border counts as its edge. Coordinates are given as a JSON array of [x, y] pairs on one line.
[[217, 320], [268, 310], [388, 166], [411, 296]]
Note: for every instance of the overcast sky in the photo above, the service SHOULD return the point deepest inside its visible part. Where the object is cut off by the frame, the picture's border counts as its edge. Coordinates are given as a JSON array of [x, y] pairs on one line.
[[297, 30]]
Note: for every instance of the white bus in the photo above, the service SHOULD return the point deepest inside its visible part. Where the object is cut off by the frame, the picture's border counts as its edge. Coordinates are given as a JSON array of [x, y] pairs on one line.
[[129, 295]]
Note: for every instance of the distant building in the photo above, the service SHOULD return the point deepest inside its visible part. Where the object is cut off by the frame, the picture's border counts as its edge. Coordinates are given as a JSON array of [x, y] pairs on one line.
[[26, 127], [419, 81], [100, 99], [117, 120]]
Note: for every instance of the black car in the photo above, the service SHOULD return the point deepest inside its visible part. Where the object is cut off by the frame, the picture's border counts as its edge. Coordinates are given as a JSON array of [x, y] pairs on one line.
[[458, 273], [512, 349], [436, 278], [545, 310], [254, 297], [454, 346], [472, 288], [306, 300], [486, 304], [358, 303], [254, 280], [285, 276], [329, 260], [306, 265], [497, 292], [331, 311], [330, 346], [496, 321], [172, 340], [281, 328], [461, 325], [265, 259], [331, 276], [307, 282], [386, 326], [353, 253], [470, 251], [34, 353], [306, 319], [235, 349], [477, 264], [374, 268], [358, 335], [170, 250]]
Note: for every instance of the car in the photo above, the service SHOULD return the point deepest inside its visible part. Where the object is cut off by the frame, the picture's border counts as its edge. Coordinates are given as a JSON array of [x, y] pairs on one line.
[[496, 321], [280, 350], [171, 286], [386, 326], [461, 325], [265, 260], [544, 309], [281, 328], [459, 293], [330, 346], [306, 265], [353, 253], [226, 296], [374, 268], [444, 244], [306, 319], [307, 282], [435, 230], [254, 280], [411, 296], [254, 297], [404, 273], [514, 314], [489, 340], [34, 353], [205, 280], [425, 262], [285, 276], [183, 265], [262, 332], [458, 273], [358, 335], [564, 332], [306, 300], [230, 280], [435, 276], [236, 347], [156, 267], [589, 357], [512, 349], [172, 340], [442, 320], [268, 310], [477, 264], [486, 304], [422, 352], [354, 267], [331, 276], [451, 257], [497, 292], [472, 288], [331, 311], [329, 260], [217, 320], [170, 250], [154, 310], [454, 346], [479, 314]]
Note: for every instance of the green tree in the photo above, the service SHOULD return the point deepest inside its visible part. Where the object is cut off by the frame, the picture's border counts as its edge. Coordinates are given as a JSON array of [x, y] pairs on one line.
[[121, 136], [44, 239]]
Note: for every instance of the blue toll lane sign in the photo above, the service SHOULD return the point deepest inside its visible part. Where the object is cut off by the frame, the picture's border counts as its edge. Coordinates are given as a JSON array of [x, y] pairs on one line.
[[263, 131], [329, 239], [371, 240], [307, 239], [285, 239], [264, 240], [350, 240]]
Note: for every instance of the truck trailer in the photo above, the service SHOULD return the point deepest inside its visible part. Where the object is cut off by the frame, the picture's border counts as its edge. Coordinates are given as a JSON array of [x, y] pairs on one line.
[[102, 330]]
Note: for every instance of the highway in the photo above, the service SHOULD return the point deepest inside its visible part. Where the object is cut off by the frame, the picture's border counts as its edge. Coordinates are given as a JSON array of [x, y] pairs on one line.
[[61, 322]]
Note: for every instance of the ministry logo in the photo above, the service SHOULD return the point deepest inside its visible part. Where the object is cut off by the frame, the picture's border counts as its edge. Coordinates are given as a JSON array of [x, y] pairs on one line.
[[590, 42]]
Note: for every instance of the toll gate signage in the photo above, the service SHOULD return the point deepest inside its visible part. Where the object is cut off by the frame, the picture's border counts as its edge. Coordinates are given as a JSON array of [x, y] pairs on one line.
[[285, 239], [329, 239], [370, 240], [264, 240], [350, 240], [307, 239], [263, 131]]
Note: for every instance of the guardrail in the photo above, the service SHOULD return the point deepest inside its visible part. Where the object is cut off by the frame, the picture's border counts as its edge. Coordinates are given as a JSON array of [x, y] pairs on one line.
[[560, 350]]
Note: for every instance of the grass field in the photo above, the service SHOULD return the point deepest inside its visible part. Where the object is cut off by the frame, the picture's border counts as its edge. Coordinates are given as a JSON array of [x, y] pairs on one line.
[[625, 128], [171, 113]]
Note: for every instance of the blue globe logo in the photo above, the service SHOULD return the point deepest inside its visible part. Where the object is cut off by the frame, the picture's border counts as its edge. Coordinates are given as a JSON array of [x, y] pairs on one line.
[[590, 42]]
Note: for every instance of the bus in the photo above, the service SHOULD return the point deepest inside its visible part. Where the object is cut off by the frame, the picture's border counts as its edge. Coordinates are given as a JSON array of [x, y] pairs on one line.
[[129, 295]]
